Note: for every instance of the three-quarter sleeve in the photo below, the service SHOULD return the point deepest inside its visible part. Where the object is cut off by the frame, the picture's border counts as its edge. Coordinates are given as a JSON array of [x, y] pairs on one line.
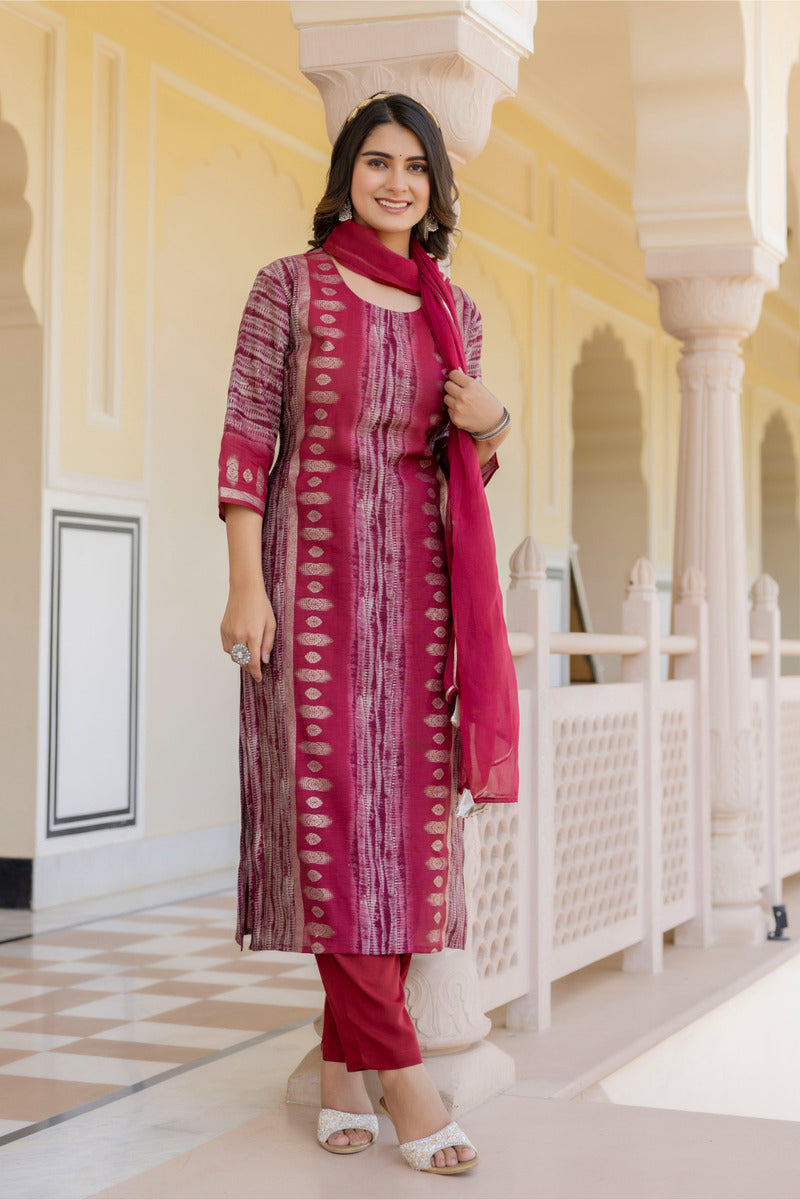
[[255, 392], [472, 332]]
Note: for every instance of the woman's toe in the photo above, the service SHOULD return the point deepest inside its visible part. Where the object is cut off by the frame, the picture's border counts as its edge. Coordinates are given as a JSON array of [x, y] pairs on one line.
[[465, 1153], [438, 1159], [339, 1138]]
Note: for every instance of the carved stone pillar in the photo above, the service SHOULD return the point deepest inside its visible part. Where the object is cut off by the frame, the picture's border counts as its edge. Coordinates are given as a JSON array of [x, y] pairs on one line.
[[457, 61], [711, 300]]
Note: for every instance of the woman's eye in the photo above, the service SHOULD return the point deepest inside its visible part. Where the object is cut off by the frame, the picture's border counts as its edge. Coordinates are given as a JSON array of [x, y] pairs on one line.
[[420, 168], [376, 162]]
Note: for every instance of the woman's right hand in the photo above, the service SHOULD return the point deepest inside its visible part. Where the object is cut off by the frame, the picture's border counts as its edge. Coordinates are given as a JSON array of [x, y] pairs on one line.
[[249, 619]]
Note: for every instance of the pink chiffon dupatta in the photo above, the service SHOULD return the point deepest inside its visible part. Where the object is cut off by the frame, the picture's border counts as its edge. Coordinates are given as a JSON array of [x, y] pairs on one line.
[[479, 671]]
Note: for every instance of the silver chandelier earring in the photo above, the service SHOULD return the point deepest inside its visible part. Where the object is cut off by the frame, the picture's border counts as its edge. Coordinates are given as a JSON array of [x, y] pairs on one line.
[[431, 224], [346, 211]]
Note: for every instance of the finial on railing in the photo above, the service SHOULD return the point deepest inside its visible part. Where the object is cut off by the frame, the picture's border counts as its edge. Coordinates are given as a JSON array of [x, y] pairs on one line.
[[641, 577], [692, 586], [527, 562], [765, 592]]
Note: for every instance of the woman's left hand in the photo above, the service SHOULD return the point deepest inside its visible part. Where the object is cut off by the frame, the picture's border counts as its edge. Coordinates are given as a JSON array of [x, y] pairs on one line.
[[472, 407]]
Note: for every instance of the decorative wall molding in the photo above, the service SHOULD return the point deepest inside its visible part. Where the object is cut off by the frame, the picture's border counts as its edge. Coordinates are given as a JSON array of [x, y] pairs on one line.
[[106, 244], [610, 241], [521, 153], [94, 672], [286, 82]]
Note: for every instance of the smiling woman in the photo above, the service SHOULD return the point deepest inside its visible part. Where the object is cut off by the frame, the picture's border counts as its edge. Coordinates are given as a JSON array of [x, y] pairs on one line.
[[353, 586]]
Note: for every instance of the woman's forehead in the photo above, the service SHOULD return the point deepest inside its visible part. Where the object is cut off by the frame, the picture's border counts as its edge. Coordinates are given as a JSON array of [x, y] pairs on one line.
[[394, 140]]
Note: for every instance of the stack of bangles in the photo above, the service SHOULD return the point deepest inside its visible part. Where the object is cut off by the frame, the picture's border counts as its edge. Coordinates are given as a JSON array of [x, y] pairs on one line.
[[502, 424]]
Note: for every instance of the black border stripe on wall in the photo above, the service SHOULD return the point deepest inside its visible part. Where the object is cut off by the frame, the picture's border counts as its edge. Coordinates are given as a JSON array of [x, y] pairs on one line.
[[128, 526]]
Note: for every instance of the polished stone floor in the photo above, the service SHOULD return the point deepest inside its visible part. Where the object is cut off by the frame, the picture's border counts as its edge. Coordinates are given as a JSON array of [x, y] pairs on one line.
[[143, 1055]]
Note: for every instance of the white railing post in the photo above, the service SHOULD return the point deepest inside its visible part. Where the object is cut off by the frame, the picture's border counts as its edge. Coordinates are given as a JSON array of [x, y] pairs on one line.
[[690, 618], [527, 612], [640, 616], [765, 625]]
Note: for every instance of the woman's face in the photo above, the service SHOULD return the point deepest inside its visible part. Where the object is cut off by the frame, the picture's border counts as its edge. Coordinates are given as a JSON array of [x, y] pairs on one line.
[[390, 189]]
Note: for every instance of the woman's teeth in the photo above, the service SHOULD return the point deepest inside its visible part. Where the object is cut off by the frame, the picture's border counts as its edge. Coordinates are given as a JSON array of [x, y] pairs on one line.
[[394, 206]]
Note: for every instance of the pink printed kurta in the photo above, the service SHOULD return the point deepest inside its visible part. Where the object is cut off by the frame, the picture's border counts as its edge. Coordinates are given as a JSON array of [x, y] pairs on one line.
[[347, 755]]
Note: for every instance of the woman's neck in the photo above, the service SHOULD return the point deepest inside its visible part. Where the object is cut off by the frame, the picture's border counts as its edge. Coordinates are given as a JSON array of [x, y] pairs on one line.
[[398, 243]]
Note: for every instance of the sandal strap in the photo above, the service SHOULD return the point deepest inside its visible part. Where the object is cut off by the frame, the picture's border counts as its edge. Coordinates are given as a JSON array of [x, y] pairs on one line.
[[418, 1154], [333, 1120]]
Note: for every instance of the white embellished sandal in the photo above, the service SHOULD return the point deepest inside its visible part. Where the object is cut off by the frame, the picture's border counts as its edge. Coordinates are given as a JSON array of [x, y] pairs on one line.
[[418, 1154], [333, 1120]]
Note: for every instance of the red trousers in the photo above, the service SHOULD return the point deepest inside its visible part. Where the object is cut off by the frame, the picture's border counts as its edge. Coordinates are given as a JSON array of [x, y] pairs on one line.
[[366, 1024]]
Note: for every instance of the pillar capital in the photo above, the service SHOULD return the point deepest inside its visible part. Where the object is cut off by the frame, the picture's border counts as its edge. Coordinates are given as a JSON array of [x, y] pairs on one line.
[[459, 57], [711, 296]]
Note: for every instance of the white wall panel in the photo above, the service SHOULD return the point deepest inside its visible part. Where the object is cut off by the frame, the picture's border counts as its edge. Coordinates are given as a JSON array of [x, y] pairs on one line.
[[93, 672]]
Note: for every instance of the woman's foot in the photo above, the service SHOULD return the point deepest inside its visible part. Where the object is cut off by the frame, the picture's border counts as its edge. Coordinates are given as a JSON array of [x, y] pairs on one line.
[[417, 1111], [345, 1090]]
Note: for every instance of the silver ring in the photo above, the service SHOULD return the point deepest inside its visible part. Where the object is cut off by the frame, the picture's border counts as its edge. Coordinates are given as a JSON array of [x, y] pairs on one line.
[[240, 654]]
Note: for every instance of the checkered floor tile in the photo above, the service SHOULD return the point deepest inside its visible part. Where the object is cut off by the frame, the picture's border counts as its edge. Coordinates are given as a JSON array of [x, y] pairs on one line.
[[88, 1011]]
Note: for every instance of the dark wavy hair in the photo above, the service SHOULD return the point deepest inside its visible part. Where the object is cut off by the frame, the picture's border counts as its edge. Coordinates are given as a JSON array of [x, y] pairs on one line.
[[402, 110]]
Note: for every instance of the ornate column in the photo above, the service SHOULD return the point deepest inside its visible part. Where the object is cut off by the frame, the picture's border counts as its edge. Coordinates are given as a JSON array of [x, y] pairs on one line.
[[711, 299], [459, 59]]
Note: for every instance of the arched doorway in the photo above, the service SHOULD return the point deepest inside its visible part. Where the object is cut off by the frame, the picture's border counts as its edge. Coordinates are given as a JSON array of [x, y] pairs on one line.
[[780, 526], [609, 496]]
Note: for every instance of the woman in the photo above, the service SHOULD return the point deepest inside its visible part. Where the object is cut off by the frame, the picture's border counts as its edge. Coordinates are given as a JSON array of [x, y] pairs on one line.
[[344, 560]]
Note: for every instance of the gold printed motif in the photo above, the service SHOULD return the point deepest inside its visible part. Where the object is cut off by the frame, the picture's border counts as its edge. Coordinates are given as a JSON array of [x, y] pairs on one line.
[[324, 362], [434, 827], [309, 784], [436, 793], [232, 470], [317, 820], [314, 497], [317, 893], [314, 712], [316, 535], [313, 639], [315, 602], [316, 568], [317, 857], [323, 931], [312, 675], [321, 748], [321, 332]]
